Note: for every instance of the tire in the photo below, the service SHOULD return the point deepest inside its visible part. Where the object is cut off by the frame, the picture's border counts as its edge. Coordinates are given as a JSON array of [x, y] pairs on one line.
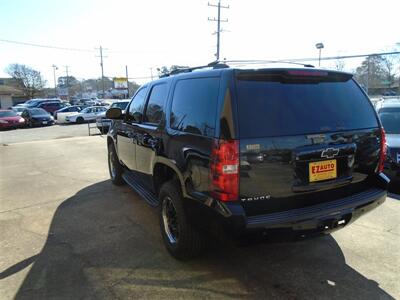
[[80, 120], [181, 239], [114, 167]]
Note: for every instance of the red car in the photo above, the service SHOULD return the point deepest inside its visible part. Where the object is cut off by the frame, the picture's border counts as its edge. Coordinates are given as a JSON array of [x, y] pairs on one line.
[[51, 106], [9, 119]]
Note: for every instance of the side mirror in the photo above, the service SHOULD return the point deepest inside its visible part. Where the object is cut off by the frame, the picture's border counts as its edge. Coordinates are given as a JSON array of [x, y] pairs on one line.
[[114, 113]]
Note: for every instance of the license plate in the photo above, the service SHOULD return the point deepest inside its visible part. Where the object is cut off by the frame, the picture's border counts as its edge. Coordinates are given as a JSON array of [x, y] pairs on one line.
[[322, 170], [44, 122]]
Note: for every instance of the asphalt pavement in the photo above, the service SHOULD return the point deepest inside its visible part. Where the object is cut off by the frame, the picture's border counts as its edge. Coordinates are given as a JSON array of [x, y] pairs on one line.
[[67, 233], [46, 133]]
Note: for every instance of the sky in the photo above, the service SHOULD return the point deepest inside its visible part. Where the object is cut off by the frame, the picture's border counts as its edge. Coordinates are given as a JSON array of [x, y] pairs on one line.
[[144, 35]]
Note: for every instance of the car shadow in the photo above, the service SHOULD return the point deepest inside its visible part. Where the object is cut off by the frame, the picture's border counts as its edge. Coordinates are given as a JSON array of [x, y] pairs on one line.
[[104, 243]]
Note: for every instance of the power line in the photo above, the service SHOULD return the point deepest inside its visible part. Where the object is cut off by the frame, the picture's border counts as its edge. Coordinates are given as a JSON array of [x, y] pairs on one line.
[[258, 61], [342, 57], [133, 78], [218, 20], [45, 46]]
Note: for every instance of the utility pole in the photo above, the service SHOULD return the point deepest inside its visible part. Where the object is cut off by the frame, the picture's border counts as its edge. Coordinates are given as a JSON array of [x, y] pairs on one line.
[[66, 70], [102, 68], [218, 20], [151, 73], [54, 75], [127, 81]]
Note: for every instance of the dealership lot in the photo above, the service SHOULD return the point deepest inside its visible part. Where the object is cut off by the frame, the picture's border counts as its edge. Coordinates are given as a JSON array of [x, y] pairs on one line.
[[67, 232], [45, 133]]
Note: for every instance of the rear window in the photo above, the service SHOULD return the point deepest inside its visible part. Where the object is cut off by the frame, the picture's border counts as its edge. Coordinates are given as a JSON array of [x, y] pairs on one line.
[[38, 112], [194, 106], [390, 118], [276, 108]]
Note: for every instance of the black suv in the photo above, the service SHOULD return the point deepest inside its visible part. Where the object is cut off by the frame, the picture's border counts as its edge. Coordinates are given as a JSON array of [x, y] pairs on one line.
[[285, 150]]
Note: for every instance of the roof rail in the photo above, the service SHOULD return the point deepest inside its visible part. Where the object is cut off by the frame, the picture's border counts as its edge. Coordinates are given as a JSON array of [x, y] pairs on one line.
[[223, 64], [261, 61], [178, 70]]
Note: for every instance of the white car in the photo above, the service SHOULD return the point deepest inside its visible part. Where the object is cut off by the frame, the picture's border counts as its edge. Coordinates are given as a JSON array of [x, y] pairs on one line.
[[86, 114], [18, 109], [62, 113], [103, 124]]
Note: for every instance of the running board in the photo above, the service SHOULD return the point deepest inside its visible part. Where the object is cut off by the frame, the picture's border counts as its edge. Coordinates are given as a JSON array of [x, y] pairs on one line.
[[134, 182]]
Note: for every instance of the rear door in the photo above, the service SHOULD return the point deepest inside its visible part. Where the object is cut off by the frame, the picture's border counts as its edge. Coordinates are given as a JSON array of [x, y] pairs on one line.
[[305, 137]]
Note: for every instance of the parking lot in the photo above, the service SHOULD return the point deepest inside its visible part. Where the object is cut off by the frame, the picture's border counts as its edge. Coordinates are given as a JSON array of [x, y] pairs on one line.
[[45, 133], [67, 233]]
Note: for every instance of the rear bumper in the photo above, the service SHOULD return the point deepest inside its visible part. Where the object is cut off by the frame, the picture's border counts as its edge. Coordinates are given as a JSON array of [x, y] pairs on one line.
[[41, 122], [230, 218], [326, 216], [11, 125]]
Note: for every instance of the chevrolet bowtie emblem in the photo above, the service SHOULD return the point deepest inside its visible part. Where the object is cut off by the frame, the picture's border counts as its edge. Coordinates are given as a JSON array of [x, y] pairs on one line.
[[330, 152]]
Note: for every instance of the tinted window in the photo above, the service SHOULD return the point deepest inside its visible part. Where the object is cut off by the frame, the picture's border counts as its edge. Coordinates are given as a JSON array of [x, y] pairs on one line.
[[274, 108], [38, 112], [69, 109], [194, 105], [390, 118], [121, 105], [155, 104], [137, 105]]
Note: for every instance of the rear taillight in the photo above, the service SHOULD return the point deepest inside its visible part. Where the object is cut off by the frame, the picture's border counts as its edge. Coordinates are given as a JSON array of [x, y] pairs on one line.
[[382, 156], [224, 167]]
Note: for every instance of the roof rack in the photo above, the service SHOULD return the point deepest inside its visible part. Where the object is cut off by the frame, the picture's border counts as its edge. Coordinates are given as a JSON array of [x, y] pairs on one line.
[[260, 61], [223, 64], [213, 65]]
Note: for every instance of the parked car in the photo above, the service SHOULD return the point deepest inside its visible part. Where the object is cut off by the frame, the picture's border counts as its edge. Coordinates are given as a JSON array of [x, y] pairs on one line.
[[18, 109], [51, 106], [74, 100], [37, 117], [90, 102], [10, 119], [184, 138], [103, 124], [389, 93], [61, 114], [36, 102], [86, 114], [389, 113]]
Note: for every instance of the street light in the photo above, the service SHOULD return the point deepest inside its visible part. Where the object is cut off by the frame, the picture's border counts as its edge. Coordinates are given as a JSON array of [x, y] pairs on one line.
[[319, 46], [54, 74]]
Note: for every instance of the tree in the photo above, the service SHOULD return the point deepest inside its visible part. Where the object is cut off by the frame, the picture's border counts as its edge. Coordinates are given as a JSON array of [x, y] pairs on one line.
[[339, 64], [31, 80], [165, 71], [391, 66], [371, 72], [63, 81]]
